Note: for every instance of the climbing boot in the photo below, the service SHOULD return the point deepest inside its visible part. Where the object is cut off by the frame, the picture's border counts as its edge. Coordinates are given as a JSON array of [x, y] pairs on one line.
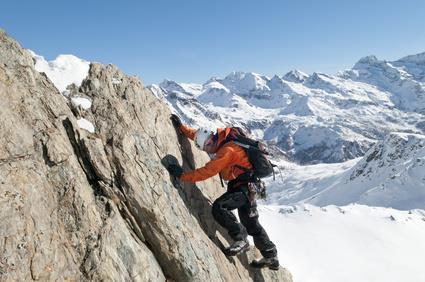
[[236, 248], [272, 263]]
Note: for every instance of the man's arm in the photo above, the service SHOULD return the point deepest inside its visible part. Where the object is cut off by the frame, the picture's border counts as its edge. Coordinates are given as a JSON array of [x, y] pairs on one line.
[[187, 131], [223, 159]]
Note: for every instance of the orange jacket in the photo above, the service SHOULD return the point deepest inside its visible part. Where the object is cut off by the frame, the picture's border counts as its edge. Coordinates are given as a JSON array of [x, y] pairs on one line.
[[223, 162]]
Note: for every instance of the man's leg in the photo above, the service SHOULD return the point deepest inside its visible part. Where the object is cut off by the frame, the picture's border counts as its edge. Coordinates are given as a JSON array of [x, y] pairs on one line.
[[249, 218], [222, 212]]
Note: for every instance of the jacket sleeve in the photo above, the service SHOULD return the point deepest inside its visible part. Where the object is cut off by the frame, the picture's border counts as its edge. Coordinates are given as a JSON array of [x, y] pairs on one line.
[[223, 159], [187, 131]]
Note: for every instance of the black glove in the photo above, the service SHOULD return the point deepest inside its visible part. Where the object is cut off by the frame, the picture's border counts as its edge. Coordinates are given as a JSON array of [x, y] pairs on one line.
[[175, 170], [175, 120]]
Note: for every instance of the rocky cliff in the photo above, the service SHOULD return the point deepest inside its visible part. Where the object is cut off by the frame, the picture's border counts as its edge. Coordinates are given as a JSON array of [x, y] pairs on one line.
[[78, 206]]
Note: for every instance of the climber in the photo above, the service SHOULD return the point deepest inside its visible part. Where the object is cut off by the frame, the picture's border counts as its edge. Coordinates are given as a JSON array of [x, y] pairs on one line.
[[231, 162]]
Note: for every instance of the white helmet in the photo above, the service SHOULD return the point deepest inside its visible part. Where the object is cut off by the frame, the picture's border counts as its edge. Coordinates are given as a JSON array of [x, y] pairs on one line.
[[201, 135]]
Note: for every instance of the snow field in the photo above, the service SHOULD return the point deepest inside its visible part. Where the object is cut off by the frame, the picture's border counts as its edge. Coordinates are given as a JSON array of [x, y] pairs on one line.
[[351, 243]]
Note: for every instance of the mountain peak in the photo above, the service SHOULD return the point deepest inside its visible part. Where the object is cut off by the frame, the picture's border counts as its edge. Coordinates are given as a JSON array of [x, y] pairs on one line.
[[192, 89], [171, 85], [295, 76], [371, 59], [245, 82], [371, 62]]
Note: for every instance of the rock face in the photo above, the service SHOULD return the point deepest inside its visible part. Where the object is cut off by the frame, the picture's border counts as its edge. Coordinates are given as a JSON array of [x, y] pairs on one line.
[[78, 206]]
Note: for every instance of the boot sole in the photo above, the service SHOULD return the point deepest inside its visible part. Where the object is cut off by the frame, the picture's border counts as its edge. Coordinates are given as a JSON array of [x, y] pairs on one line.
[[275, 268], [232, 254], [259, 266]]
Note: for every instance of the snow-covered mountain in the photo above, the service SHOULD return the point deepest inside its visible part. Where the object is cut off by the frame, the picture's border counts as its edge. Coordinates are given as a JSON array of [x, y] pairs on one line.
[[311, 118], [391, 174], [403, 79]]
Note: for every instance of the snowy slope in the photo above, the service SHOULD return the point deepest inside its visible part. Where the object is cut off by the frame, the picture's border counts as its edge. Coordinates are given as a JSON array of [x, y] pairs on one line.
[[391, 174], [350, 243], [316, 118]]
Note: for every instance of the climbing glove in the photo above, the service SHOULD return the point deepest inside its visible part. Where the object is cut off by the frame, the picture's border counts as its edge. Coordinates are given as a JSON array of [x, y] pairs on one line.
[[175, 120], [175, 170]]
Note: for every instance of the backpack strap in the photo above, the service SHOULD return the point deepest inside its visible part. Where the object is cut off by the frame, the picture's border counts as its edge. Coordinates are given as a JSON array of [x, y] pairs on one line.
[[248, 175], [274, 175], [221, 179]]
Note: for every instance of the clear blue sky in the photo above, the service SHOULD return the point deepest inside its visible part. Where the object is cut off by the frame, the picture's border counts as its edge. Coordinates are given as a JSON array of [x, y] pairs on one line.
[[190, 41]]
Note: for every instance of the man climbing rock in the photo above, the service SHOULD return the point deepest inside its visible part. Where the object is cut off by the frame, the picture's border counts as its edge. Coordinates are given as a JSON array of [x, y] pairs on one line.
[[232, 163]]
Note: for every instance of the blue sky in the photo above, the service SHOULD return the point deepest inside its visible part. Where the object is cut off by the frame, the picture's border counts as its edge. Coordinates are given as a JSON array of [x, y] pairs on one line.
[[190, 41]]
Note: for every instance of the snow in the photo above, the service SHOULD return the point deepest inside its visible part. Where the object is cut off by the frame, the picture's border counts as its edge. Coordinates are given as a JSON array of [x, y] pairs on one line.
[[83, 102], [216, 94], [295, 183], [245, 82], [63, 71], [349, 243], [116, 81], [194, 88], [391, 174], [86, 125]]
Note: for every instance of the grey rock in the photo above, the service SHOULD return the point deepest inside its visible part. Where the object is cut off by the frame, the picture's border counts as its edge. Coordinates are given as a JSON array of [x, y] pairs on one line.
[[77, 206]]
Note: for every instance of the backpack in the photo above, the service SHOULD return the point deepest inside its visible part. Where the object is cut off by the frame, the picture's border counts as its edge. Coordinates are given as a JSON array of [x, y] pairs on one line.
[[256, 152]]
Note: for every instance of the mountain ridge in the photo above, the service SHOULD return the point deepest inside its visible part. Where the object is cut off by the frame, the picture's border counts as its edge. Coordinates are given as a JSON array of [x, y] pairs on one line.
[[357, 107]]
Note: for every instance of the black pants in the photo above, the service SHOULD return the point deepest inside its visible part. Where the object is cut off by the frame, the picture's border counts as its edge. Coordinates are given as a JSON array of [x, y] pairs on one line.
[[237, 198]]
